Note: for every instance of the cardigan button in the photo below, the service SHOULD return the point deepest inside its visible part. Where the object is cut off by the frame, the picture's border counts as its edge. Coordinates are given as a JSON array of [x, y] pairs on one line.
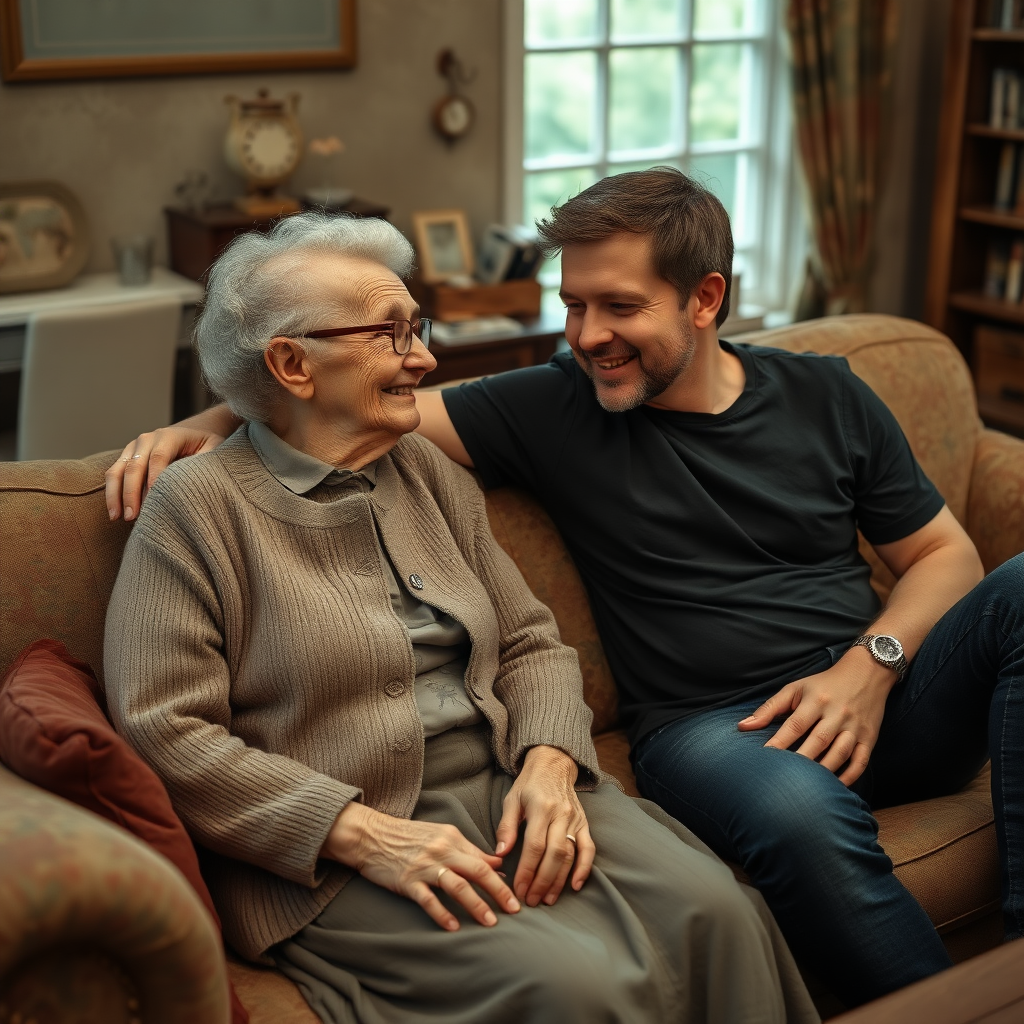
[[395, 689], [401, 746], [416, 581]]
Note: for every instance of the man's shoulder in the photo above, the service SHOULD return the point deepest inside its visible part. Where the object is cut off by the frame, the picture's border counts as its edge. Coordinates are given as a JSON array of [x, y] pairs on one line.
[[785, 360], [803, 372], [559, 376]]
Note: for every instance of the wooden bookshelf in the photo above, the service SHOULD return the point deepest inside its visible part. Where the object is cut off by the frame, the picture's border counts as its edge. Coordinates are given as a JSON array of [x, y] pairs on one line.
[[965, 221], [980, 305], [995, 217]]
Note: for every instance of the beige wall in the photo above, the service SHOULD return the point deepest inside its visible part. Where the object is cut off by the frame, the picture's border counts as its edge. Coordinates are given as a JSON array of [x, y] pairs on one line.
[[904, 216], [122, 145]]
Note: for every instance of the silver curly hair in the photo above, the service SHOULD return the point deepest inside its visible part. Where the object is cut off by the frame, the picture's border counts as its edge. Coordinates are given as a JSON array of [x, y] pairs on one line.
[[257, 291]]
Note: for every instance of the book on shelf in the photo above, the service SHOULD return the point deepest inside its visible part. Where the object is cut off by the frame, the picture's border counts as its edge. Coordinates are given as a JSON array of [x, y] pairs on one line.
[[1006, 100], [1004, 14], [995, 269], [1005, 177], [1014, 271], [1018, 201], [1004, 270]]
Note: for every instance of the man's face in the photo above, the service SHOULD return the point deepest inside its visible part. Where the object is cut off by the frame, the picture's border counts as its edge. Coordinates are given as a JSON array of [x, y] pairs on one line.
[[624, 323]]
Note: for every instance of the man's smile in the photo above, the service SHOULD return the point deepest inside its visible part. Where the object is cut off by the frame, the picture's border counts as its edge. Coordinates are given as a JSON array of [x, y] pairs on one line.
[[614, 364]]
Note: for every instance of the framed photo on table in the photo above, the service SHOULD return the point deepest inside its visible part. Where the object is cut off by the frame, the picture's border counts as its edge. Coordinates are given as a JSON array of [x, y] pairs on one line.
[[443, 245]]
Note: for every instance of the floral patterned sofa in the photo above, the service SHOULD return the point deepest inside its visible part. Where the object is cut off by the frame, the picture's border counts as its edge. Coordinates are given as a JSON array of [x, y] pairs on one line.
[[95, 926]]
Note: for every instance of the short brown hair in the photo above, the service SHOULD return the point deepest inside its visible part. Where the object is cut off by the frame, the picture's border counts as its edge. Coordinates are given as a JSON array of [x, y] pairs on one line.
[[688, 225]]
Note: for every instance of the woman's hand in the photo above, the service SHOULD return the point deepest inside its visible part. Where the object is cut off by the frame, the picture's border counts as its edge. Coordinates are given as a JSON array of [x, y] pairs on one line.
[[409, 857], [556, 827]]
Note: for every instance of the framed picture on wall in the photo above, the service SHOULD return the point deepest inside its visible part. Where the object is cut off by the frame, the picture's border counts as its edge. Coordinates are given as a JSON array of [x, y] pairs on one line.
[[443, 245], [52, 39]]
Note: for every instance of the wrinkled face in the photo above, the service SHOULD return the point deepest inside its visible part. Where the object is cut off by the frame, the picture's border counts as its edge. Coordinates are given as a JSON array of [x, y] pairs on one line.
[[360, 383], [624, 323]]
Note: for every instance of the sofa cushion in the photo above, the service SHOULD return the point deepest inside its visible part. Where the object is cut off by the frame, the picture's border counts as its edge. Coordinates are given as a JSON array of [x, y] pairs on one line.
[[54, 733]]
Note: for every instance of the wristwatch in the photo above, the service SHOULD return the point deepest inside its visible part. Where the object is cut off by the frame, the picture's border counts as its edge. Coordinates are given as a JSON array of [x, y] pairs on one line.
[[886, 650]]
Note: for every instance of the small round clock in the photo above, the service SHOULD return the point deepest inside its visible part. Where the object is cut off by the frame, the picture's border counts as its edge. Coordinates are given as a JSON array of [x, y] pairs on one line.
[[453, 116], [264, 140]]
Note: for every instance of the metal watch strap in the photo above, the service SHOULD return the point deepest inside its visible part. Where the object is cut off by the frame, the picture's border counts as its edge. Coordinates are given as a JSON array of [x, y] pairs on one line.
[[899, 666]]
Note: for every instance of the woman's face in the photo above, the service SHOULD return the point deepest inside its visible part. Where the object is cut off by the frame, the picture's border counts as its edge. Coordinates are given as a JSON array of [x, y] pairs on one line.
[[361, 386]]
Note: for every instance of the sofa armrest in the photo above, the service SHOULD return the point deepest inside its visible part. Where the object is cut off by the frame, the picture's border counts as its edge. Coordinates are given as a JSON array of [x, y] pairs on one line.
[[75, 886], [995, 503]]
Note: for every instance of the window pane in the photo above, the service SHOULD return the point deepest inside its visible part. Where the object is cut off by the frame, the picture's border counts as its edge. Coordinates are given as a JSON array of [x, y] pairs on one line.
[[644, 105], [717, 173], [716, 92], [723, 17], [552, 21], [561, 93], [641, 19], [548, 188]]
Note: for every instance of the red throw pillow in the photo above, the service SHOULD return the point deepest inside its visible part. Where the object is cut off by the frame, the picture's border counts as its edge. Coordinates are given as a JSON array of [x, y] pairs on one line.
[[54, 733]]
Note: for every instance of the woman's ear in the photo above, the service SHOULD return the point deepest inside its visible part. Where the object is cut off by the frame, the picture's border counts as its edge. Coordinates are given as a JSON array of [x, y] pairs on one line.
[[288, 361], [710, 294]]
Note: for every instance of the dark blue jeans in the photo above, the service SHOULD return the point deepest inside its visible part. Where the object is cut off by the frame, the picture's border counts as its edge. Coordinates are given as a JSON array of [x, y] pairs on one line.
[[810, 844]]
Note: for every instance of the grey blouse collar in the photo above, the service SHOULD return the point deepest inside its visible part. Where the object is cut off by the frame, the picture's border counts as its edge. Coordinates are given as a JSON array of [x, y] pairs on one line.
[[296, 470]]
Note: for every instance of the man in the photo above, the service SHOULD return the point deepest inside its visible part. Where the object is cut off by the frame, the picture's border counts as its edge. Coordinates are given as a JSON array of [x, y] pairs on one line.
[[710, 495]]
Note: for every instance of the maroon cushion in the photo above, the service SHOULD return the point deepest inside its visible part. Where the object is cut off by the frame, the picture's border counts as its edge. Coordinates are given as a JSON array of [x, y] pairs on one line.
[[54, 733]]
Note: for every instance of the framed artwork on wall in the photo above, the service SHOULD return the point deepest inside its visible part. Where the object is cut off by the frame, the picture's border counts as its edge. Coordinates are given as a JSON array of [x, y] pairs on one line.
[[443, 245], [42, 40], [44, 238]]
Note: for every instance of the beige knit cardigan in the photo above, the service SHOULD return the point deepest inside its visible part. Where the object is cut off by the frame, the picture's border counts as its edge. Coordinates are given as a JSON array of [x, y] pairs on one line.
[[254, 660]]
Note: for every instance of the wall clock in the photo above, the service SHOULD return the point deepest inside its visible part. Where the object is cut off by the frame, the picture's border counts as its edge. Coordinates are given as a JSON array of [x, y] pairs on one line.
[[453, 117], [453, 114]]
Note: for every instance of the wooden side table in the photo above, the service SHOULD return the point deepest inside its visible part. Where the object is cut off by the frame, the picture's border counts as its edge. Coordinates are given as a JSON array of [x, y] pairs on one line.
[[495, 354], [197, 237]]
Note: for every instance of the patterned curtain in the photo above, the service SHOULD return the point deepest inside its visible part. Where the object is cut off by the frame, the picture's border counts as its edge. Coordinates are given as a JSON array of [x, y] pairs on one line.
[[841, 52]]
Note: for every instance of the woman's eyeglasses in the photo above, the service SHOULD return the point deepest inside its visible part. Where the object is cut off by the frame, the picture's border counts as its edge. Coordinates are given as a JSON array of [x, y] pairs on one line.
[[401, 333]]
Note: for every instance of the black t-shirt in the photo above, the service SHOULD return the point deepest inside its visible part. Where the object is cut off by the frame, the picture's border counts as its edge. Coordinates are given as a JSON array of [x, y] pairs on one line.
[[719, 550]]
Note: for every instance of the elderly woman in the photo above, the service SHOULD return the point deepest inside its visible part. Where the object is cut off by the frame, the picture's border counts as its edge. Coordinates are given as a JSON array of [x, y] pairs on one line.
[[356, 703]]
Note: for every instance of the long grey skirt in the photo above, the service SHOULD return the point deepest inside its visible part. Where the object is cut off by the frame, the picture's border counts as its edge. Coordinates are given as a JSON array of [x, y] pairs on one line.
[[661, 932]]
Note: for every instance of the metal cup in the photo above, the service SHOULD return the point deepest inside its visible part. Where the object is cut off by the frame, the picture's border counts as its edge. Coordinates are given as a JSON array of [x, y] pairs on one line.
[[134, 258]]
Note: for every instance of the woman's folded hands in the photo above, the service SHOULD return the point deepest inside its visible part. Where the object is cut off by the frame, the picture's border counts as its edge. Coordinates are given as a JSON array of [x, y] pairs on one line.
[[544, 796], [413, 858]]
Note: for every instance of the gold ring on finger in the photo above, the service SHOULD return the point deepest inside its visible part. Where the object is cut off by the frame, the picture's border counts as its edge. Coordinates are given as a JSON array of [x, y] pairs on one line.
[[439, 874]]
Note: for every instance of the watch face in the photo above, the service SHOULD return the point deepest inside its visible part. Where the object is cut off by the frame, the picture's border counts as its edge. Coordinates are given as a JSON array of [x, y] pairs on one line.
[[269, 149], [887, 648]]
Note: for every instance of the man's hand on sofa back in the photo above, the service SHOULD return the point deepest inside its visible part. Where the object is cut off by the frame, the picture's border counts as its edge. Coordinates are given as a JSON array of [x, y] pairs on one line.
[[144, 459]]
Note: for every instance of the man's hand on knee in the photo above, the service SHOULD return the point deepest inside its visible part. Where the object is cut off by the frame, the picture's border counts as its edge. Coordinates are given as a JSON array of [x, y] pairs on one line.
[[837, 713]]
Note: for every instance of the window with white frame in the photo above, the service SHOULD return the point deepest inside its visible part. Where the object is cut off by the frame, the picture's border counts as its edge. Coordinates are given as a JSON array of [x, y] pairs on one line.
[[596, 87]]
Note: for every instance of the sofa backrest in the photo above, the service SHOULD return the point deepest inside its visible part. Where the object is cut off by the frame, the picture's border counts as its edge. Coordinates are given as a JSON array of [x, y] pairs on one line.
[[59, 554]]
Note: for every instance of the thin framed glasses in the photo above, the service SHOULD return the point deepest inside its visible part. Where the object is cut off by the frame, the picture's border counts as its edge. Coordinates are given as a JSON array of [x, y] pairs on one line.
[[400, 331]]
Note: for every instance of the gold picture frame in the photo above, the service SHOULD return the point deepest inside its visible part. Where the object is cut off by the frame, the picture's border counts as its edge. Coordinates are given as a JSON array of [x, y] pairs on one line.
[[44, 236], [443, 245], [199, 53]]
